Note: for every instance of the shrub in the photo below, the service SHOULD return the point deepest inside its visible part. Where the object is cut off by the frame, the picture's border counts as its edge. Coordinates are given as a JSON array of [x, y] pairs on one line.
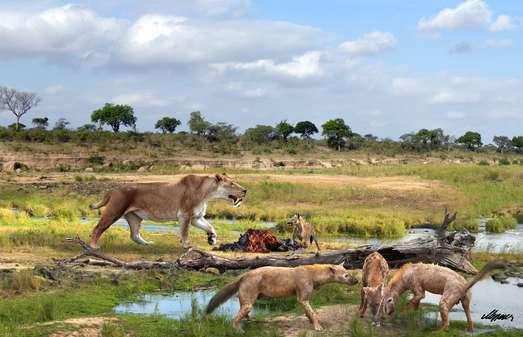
[[504, 161], [95, 159], [501, 224]]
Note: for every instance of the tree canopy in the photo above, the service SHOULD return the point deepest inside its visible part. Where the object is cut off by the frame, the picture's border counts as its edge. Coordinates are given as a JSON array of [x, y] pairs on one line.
[[115, 115], [40, 122], [305, 129], [471, 140], [167, 124], [197, 124], [336, 132], [284, 130], [18, 102]]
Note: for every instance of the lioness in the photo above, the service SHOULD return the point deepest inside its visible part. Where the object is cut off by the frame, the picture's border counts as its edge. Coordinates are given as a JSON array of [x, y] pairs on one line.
[[303, 231], [421, 277], [280, 282], [374, 277], [185, 201]]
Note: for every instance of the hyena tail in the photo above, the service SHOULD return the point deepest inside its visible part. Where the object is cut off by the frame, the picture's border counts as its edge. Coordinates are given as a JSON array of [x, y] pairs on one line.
[[492, 265], [102, 202], [223, 295]]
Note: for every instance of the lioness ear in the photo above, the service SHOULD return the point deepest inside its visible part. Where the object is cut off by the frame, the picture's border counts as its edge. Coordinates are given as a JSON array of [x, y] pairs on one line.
[[332, 269], [218, 178], [366, 290]]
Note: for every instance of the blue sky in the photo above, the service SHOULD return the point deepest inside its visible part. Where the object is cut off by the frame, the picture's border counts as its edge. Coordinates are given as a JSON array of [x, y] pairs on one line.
[[386, 67]]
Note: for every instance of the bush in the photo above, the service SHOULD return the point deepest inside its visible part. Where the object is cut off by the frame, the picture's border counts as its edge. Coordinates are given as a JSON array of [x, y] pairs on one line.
[[95, 159], [501, 224], [504, 161]]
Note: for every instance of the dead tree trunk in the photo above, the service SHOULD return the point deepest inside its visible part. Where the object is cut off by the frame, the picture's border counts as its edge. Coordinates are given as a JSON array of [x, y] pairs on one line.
[[449, 249]]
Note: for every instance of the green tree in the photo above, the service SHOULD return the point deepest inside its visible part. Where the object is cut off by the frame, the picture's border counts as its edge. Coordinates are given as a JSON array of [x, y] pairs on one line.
[[197, 124], [503, 144], [221, 132], [61, 124], [471, 140], [336, 132], [40, 122], [306, 129], [87, 127], [284, 130], [167, 124], [517, 141], [260, 134], [115, 115]]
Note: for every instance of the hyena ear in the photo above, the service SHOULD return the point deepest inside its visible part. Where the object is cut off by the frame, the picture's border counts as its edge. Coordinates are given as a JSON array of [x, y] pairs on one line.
[[218, 178]]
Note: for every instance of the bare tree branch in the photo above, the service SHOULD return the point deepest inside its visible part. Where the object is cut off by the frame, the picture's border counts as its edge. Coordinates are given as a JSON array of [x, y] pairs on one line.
[[18, 102]]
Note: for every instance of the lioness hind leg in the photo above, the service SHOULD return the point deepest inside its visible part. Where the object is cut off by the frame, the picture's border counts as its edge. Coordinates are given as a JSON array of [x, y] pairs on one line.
[[363, 304], [109, 216], [134, 222]]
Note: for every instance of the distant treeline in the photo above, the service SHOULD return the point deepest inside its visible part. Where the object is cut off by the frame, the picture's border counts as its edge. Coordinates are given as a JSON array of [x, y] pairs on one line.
[[224, 137]]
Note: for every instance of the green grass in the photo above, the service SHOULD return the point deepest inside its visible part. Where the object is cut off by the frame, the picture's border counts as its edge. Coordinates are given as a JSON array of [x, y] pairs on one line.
[[501, 224]]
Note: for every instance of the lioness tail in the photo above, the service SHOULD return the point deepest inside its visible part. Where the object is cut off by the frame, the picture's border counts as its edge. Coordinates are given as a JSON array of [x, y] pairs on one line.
[[102, 203], [483, 272], [223, 295]]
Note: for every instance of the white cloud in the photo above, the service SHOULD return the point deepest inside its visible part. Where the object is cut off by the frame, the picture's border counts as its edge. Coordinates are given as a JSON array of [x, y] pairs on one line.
[[498, 43], [404, 86], [68, 32], [141, 99], [301, 67], [54, 89], [160, 39], [233, 8], [455, 114], [240, 90], [503, 22], [446, 96], [370, 43], [470, 14]]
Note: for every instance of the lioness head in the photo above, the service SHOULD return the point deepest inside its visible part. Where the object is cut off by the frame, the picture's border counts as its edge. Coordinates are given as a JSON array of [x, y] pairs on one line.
[[229, 190], [342, 275]]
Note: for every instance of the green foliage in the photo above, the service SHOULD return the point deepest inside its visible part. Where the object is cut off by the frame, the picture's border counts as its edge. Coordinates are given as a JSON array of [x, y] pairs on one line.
[[517, 141], [503, 143], [306, 129], [426, 140], [61, 124], [40, 122], [115, 115], [167, 124], [197, 124], [471, 139], [336, 132], [283, 130], [96, 159], [501, 224], [260, 134]]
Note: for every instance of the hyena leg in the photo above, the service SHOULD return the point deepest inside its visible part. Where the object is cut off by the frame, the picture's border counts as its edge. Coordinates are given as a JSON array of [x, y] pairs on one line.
[[206, 226], [107, 219], [363, 305], [465, 303], [134, 222], [316, 242]]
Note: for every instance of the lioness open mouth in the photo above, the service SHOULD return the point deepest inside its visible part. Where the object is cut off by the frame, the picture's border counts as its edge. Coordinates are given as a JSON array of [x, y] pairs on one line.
[[236, 201]]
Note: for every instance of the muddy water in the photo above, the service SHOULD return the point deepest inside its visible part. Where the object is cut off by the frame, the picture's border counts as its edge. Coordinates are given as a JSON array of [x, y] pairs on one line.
[[178, 305]]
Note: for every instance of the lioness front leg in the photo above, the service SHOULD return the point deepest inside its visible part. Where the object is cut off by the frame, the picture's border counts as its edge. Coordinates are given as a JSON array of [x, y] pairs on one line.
[[206, 226], [419, 294], [303, 299]]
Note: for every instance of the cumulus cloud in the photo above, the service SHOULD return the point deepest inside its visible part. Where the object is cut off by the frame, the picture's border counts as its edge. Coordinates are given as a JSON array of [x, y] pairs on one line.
[[503, 22], [446, 96], [405, 86], [141, 99], [301, 67], [72, 33], [369, 44], [471, 14]]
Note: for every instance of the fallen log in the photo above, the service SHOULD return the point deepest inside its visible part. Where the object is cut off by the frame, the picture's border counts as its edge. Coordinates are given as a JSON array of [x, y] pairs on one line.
[[449, 249]]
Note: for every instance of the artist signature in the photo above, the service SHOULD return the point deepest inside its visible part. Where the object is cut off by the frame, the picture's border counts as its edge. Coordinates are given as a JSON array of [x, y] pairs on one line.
[[494, 315]]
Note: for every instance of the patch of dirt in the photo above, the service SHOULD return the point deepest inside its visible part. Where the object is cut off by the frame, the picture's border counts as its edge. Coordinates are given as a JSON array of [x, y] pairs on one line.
[[393, 183], [87, 326], [333, 318]]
